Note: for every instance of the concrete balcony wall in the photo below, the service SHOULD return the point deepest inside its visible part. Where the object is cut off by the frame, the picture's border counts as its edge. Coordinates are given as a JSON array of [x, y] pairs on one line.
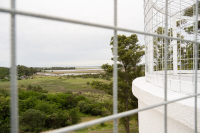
[[180, 114]]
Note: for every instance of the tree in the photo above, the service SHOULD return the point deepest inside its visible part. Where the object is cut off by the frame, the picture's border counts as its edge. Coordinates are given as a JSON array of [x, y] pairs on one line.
[[129, 56], [189, 12]]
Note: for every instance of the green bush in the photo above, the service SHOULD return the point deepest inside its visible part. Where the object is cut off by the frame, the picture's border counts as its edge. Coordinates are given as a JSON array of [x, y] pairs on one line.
[[37, 88], [44, 91], [46, 107], [34, 88], [42, 96], [57, 120], [104, 112], [32, 120], [26, 94], [84, 107], [84, 86], [80, 98], [74, 116], [4, 110], [88, 83], [5, 128], [69, 92], [96, 111], [4, 92], [5, 80], [29, 103], [29, 87]]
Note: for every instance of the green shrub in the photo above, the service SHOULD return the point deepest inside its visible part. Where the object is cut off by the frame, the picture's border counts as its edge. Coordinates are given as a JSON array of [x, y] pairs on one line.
[[84, 107], [34, 88], [32, 120], [44, 91], [26, 94], [5, 80], [46, 107], [4, 92], [22, 86], [4, 110], [29, 87], [104, 112], [57, 120], [5, 128], [74, 116], [42, 96], [80, 98], [96, 111], [88, 83], [69, 92], [29, 103]]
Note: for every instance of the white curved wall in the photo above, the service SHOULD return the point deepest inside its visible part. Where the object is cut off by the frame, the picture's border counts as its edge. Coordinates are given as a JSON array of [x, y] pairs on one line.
[[180, 114]]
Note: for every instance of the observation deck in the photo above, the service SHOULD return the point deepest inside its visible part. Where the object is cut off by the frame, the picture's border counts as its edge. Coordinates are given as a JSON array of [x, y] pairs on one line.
[[178, 59]]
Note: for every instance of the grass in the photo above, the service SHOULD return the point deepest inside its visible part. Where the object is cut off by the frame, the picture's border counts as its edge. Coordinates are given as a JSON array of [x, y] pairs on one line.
[[107, 127], [57, 85], [54, 84]]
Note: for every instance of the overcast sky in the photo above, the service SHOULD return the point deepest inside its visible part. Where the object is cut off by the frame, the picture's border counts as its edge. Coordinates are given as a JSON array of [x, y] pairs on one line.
[[46, 43]]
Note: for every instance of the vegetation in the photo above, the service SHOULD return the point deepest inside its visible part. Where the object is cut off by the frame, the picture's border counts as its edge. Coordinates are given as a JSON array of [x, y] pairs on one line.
[[190, 12], [42, 111], [129, 55], [50, 102], [22, 71], [63, 102], [59, 68], [184, 52]]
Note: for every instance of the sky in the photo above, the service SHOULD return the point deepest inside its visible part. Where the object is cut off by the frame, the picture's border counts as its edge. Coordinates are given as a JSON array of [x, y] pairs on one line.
[[47, 43]]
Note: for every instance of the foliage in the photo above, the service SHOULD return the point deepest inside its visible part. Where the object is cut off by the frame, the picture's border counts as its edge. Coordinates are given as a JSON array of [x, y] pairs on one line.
[[4, 111], [129, 55], [46, 107], [57, 119], [84, 107], [184, 50], [23, 70], [59, 108], [4, 72], [74, 116], [34, 88], [32, 120], [190, 12]]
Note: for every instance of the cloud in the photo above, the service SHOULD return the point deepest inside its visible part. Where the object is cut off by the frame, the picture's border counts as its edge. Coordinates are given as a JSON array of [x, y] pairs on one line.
[[43, 42]]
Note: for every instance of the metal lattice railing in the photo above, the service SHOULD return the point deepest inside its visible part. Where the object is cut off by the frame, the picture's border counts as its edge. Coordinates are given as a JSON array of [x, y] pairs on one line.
[[116, 115]]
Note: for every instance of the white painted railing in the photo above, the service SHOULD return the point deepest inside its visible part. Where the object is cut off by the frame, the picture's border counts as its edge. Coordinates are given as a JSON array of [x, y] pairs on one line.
[[177, 85]]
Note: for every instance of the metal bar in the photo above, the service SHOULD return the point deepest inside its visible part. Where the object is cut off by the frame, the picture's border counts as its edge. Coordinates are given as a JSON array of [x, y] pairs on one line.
[[119, 115], [196, 66], [13, 76], [115, 72], [89, 24], [165, 78]]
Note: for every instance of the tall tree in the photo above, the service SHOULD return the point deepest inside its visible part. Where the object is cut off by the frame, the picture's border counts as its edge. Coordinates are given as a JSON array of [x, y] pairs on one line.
[[130, 53]]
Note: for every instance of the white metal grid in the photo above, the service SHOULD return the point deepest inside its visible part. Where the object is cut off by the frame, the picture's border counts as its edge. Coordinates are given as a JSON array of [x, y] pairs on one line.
[[149, 38]]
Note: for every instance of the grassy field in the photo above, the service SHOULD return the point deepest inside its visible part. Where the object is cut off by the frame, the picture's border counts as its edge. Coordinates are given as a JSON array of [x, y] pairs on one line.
[[58, 85], [54, 84], [77, 71]]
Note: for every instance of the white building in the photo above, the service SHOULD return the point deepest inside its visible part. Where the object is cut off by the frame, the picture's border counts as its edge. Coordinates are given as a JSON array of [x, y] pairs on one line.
[[150, 89]]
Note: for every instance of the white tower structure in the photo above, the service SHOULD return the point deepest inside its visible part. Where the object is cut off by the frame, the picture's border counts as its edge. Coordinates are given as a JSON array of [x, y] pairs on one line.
[[180, 58]]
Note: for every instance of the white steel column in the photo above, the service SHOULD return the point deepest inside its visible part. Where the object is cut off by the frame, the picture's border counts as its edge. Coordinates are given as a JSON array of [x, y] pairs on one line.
[[150, 30], [174, 45]]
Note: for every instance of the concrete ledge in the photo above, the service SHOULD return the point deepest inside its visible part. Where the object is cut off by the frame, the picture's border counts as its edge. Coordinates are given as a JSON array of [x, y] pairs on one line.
[[180, 114]]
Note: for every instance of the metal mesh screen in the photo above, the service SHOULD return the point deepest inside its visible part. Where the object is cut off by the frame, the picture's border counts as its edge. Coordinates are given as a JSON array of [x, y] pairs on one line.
[[168, 56]]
